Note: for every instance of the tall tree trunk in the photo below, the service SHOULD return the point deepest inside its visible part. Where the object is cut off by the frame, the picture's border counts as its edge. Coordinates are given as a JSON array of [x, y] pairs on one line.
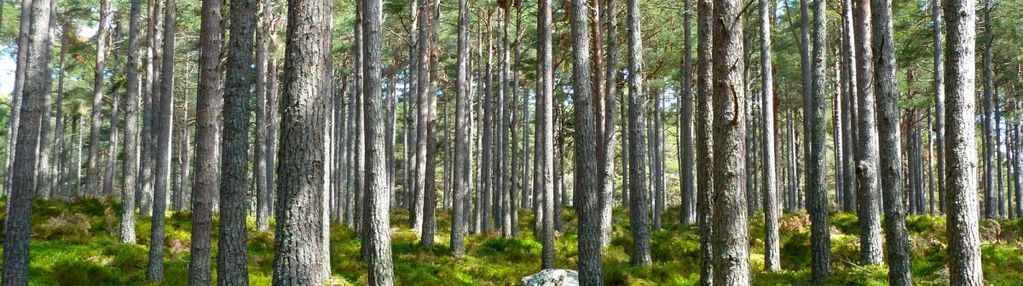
[[209, 104], [461, 172], [300, 185], [38, 82], [704, 137], [545, 128], [990, 210], [849, 109], [260, 171], [423, 87], [430, 188], [150, 100], [94, 180], [377, 206], [939, 98], [867, 151], [232, 258], [772, 254], [21, 67], [820, 234], [131, 135], [638, 209], [897, 238], [685, 122], [164, 125], [961, 150], [587, 184], [108, 176], [731, 265]]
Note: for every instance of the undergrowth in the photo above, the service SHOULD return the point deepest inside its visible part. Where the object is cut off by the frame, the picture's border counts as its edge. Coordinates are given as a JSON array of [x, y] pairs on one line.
[[75, 243]]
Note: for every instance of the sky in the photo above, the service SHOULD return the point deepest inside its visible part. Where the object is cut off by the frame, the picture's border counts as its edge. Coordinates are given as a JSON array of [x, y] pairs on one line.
[[8, 62]]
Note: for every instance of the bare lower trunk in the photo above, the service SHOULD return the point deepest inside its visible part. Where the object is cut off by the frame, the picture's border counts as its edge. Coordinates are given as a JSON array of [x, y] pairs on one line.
[[867, 151]]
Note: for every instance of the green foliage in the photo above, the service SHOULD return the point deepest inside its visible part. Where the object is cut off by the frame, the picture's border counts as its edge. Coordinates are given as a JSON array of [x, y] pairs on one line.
[[73, 244]]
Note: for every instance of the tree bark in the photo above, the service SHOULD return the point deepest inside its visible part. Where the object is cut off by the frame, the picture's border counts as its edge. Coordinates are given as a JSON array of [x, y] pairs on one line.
[[990, 209], [731, 265], [545, 129], [849, 108], [38, 82], [816, 193], [704, 138], [897, 238], [462, 168], [638, 209], [961, 149], [209, 104], [24, 30], [131, 133], [867, 151], [772, 252], [586, 173], [939, 98], [94, 180], [164, 124], [300, 186], [685, 129], [377, 204]]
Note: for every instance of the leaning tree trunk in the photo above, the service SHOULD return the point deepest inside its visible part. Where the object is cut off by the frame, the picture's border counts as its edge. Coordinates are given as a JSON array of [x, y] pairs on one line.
[[17, 228], [961, 147], [772, 254], [208, 105], [704, 138], [94, 180], [300, 174], [867, 151], [896, 236], [164, 124], [731, 265]]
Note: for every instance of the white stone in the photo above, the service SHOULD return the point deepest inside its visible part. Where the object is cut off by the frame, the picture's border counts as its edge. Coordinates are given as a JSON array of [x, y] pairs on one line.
[[552, 277]]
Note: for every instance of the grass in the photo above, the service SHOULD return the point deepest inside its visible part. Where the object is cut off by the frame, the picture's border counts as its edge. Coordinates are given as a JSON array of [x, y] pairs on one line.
[[76, 244]]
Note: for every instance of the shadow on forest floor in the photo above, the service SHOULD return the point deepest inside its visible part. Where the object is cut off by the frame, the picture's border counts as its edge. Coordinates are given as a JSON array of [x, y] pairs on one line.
[[76, 244]]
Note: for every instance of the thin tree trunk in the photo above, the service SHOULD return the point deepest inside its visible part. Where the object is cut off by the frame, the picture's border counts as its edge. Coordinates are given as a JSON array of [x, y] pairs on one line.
[[685, 129], [638, 211], [704, 138], [939, 98], [16, 98], [131, 135], [772, 254], [587, 181], [462, 133], [990, 210], [93, 179], [164, 120], [545, 129]]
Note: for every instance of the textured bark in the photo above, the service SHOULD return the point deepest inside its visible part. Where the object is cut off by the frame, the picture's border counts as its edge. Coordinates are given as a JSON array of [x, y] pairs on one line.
[[504, 164], [149, 118], [17, 228], [131, 133], [260, 171], [638, 207], [545, 129], [961, 148], [604, 74], [16, 100], [422, 110], [430, 197], [462, 167], [704, 137], [896, 236], [232, 258], [586, 173], [686, 152], [731, 247], [209, 104], [772, 252], [93, 179], [867, 151], [939, 99], [849, 109], [816, 192], [377, 204], [55, 169], [1017, 181], [990, 209], [271, 133], [300, 174], [114, 153], [164, 124]]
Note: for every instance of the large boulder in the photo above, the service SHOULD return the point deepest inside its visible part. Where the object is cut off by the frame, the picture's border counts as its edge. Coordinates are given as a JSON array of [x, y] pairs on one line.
[[552, 277]]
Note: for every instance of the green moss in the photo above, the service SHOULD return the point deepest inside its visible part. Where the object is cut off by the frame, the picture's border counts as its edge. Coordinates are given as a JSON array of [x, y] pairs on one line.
[[75, 243]]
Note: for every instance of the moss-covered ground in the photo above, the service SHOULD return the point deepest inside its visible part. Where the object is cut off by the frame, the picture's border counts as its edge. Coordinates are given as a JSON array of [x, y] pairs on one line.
[[76, 244]]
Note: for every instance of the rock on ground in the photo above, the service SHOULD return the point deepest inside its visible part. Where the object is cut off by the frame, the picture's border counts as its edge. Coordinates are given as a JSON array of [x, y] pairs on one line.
[[552, 277]]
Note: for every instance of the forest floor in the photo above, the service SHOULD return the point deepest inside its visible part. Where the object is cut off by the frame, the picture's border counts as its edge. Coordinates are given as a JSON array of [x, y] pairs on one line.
[[76, 244]]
